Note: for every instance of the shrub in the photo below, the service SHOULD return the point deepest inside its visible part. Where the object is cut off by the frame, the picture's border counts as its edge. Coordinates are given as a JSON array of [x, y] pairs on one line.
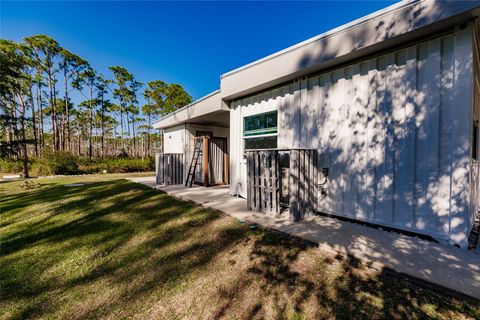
[[60, 162], [64, 163], [40, 167], [11, 166], [119, 165], [116, 165]]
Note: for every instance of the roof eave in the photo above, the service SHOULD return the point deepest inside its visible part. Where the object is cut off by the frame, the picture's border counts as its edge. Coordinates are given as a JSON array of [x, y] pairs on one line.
[[200, 107]]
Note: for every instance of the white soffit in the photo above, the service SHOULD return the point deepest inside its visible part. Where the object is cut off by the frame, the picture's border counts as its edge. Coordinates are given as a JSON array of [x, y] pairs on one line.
[[210, 103]]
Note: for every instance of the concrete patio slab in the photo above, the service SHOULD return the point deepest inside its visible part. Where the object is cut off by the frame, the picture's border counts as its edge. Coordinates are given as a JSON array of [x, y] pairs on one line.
[[148, 181], [218, 198], [446, 266]]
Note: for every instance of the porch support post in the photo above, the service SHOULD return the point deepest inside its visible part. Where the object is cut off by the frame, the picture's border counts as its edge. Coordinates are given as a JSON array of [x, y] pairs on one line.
[[205, 161], [227, 173]]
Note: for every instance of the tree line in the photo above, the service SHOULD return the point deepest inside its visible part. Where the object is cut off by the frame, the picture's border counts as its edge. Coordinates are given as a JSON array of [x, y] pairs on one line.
[[38, 79]]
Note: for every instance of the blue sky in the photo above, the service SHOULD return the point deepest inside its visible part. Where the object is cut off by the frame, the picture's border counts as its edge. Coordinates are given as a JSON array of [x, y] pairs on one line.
[[191, 43]]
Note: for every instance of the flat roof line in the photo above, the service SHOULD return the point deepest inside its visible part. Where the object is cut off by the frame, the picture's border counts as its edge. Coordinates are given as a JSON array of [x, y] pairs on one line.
[[189, 105], [325, 35]]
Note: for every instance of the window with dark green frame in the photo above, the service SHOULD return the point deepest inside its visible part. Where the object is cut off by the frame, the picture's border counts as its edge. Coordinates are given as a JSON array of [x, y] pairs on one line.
[[260, 131], [265, 123]]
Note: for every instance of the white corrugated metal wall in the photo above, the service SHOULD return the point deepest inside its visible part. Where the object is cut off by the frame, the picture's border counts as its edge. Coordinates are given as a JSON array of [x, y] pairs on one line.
[[394, 131], [174, 139]]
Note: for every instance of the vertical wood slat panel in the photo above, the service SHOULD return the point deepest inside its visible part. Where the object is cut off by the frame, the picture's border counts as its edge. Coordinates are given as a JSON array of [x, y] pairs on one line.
[[263, 194], [301, 189], [263, 185], [269, 181], [249, 181], [265, 181], [275, 190], [169, 168], [163, 169], [293, 185], [254, 181], [313, 181], [263, 170], [174, 165], [257, 180]]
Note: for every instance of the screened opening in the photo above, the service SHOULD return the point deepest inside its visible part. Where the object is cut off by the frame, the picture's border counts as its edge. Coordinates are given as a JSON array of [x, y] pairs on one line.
[[261, 143], [260, 131]]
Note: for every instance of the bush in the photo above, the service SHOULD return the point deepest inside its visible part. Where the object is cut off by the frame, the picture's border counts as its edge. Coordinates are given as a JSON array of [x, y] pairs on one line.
[[118, 165], [11, 166], [60, 162], [40, 167], [64, 163], [129, 165]]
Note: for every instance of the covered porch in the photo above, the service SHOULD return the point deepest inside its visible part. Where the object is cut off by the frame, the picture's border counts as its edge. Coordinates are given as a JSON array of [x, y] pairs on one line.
[[195, 144]]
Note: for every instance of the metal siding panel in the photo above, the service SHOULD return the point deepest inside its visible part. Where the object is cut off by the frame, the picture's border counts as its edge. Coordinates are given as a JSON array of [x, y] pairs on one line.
[[323, 87], [343, 144], [433, 127], [312, 116], [371, 145], [383, 178], [403, 115], [441, 199], [421, 151], [462, 126], [359, 125], [410, 131], [348, 155], [296, 111], [304, 115], [283, 125], [330, 141]]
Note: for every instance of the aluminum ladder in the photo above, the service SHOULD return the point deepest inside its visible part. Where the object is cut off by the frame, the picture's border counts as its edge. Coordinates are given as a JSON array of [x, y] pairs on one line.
[[197, 152]]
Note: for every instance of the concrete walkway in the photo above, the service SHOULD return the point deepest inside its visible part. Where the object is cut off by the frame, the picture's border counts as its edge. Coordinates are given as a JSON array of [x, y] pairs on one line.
[[449, 267]]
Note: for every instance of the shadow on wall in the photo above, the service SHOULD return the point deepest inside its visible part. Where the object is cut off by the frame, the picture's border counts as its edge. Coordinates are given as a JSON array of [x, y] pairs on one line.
[[394, 130]]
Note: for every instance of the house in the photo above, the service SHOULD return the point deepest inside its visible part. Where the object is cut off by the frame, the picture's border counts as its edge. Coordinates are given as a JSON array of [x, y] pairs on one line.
[[376, 120]]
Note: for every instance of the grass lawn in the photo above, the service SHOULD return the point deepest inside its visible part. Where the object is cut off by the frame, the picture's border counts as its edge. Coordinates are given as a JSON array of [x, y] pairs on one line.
[[114, 249]]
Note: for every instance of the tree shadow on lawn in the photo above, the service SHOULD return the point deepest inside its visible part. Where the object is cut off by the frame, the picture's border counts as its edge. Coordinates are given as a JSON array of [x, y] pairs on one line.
[[134, 268], [298, 280], [139, 246]]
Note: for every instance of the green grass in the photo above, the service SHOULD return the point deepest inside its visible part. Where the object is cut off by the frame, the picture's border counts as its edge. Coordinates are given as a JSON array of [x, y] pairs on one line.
[[115, 249]]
